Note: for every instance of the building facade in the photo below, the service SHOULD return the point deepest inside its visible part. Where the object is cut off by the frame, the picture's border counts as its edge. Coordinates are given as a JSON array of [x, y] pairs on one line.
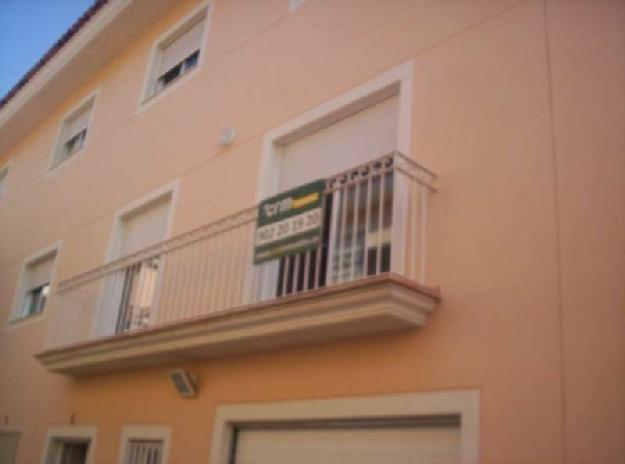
[[458, 298]]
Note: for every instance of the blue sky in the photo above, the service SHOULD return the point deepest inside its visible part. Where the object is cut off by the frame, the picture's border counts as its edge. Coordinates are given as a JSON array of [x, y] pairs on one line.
[[28, 28]]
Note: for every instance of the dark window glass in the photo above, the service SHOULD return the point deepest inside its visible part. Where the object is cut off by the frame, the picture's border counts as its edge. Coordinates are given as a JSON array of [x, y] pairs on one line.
[[36, 299]]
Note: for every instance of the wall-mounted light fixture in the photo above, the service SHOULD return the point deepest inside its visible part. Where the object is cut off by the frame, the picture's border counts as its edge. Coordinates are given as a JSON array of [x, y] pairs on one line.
[[183, 382]]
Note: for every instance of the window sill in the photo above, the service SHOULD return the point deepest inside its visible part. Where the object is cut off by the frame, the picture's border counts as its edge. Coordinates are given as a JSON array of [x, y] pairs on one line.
[[22, 321], [53, 169], [149, 100]]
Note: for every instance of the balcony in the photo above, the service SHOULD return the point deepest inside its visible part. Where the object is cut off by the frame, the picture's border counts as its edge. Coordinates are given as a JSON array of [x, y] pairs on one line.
[[200, 294]]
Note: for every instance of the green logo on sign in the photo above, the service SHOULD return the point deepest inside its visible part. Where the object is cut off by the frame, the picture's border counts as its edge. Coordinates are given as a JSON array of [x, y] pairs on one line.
[[290, 222]]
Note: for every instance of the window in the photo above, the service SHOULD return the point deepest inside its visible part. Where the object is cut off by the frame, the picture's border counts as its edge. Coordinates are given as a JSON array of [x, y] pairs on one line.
[[3, 179], [177, 53], [9, 440], [141, 229], [73, 132], [144, 452], [35, 285], [71, 444], [144, 444], [68, 451], [129, 295]]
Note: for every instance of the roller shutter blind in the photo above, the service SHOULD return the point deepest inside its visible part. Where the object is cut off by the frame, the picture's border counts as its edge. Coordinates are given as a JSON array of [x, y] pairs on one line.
[[356, 139], [144, 228], [76, 124], [39, 273], [438, 444], [181, 47]]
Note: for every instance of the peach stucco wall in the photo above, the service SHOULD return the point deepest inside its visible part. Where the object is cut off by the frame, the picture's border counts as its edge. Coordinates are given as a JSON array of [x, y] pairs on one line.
[[519, 106]]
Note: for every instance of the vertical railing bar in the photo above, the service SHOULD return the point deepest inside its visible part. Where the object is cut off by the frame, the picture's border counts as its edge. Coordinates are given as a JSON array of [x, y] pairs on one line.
[[189, 282], [235, 270], [92, 304], [212, 269], [193, 280], [254, 272], [106, 305], [176, 275], [165, 268], [354, 229], [218, 259], [318, 254], [229, 257], [367, 221], [241, 268], [201, 276], [306, 269], [423, 229], [334, 232], [225, 272], [378, 261], [138, 295], [230, 272], [344, 199], [238, 270], [148, 289], [135, 286], [296, 260], [121, 306], [202, 246], [285, 274]]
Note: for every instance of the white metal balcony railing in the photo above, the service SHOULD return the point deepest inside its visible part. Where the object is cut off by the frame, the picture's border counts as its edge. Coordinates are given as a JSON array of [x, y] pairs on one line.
[[374, 223]]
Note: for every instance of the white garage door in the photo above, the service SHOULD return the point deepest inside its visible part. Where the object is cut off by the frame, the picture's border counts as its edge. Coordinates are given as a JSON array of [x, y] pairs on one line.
[[356, 139], [421, 444]]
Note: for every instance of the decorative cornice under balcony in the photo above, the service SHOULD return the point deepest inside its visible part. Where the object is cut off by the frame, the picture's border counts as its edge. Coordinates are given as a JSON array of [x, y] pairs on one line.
[[373, 305]]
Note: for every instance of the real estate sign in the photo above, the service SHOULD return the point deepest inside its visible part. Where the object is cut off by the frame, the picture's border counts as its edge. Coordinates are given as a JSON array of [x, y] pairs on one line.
[[290, 222]]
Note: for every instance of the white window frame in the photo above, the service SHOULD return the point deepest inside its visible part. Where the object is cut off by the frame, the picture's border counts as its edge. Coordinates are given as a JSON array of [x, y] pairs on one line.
[[71, 432], [103, 320], [18, 300], [168, 190], [90, 100], [6, 167], [148, 95], [397, 81], [145, 432], [465, 403]]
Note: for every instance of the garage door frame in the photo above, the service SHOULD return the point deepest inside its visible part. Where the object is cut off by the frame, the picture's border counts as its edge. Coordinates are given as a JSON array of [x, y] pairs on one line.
[[463, 403]]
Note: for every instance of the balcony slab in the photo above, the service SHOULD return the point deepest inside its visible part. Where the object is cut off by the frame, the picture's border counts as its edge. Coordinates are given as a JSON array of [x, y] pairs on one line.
[[379, 304]]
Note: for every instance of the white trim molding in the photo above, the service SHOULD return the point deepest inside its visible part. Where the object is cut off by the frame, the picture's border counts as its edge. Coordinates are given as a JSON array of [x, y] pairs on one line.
[[168, 190], [15, 317], [464, 403], [5, 167], [91, 101], [87, 433], [147, 97], [395, 81], [145, 432]]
